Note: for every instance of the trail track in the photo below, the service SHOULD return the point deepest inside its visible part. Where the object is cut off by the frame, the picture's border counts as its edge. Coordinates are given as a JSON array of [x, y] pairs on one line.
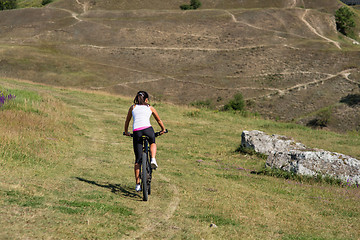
[[150, 223], [303, 19], [345, 74], [314, 30], [151, 220], [98, 137]]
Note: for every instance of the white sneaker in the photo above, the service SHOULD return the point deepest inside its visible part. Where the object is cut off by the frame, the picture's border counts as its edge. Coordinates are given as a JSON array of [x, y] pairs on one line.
[[138, 188], [153, 163]]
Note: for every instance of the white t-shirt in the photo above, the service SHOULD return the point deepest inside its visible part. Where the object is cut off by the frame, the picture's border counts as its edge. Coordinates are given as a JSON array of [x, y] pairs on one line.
[[141, 115]]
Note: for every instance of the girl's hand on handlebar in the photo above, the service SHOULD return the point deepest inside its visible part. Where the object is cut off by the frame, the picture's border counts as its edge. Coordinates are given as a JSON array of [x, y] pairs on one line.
[[163, 131], [127, 134]]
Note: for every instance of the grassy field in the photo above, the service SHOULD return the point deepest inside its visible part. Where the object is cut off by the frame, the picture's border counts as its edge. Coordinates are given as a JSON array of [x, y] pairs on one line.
[[67, 173]]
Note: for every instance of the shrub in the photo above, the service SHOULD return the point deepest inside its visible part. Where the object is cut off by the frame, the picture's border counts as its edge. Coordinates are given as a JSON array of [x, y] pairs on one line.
[[7, 4], [194, 4], [345, 22], [44, 2], [236, 104], [322, 119], [351, 100], [185, 7]]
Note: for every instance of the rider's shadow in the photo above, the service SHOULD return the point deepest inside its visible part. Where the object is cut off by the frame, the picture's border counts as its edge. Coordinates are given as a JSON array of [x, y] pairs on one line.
[[114, 188]]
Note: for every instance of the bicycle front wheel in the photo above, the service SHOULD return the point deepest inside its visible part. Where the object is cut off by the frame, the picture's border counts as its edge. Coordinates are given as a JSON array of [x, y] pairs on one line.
[[144, 177]]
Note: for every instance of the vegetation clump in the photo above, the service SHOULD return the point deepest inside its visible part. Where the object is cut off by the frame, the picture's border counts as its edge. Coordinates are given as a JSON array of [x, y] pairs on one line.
[[345, 22], [351, 100], [319, 178], [235, 104], [322, 119], [251, 152], [194, 4], [8, 4], [44, 2]]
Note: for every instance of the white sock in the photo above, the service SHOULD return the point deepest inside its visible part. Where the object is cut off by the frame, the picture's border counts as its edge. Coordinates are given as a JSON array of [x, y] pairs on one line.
[[153, 159]]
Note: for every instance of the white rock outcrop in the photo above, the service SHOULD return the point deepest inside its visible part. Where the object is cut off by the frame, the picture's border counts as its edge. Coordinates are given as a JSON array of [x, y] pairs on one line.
[[286, 154]]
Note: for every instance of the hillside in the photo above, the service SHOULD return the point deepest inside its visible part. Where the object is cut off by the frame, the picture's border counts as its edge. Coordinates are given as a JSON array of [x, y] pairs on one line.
[[67, 173], [285, 57]]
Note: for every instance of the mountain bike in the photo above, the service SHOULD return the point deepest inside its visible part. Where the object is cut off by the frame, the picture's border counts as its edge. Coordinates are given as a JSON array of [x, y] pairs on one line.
[[145, 167]]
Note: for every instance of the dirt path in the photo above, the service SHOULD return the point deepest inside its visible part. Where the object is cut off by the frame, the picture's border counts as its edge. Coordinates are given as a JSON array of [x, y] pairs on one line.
[[293, 3], [84, 6], [234, 19], [149, 223], [312, 29], [177, 48], [345, 74]]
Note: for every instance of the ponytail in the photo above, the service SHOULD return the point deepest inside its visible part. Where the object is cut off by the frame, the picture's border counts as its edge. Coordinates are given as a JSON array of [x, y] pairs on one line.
[[140, 98]]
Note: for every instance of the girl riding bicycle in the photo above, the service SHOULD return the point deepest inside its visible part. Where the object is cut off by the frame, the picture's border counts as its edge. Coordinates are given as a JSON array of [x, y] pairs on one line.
[[141, 112]]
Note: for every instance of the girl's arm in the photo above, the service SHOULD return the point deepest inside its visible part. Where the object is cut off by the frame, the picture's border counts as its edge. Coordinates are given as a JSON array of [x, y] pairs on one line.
[[127, 121], [157, 118]]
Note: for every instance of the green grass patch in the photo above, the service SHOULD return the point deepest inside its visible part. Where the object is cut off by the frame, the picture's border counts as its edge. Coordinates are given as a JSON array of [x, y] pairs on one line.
[[24, 100], [300, 178], [20, 199], [29, 3], [75, 207], [215, 219]]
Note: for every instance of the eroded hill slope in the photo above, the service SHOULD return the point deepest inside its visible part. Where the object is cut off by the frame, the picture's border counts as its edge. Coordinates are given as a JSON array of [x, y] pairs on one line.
[[285, 57]]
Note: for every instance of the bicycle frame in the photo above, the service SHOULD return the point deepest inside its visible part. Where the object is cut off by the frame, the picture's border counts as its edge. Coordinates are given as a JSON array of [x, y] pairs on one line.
[[147, 167]]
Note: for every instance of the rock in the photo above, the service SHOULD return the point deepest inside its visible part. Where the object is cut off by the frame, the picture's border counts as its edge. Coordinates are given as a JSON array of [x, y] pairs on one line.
[[286, 154], [266, 144]]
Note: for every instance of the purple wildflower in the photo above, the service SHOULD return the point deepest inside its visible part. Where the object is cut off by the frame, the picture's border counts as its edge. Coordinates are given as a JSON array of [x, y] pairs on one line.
[[5, 97]]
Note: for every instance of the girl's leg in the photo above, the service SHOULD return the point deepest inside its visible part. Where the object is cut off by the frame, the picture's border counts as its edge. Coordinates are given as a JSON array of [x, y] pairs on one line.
[[137, 143], [137, 173], [154, 164], [153, 150]]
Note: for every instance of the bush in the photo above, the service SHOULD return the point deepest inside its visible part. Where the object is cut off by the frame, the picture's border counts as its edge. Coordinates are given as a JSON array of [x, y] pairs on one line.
[[185, 7], [351, 100], [345, 22], [44, 2], [236, 104], [194, 4], [322, 119], [7, 4]]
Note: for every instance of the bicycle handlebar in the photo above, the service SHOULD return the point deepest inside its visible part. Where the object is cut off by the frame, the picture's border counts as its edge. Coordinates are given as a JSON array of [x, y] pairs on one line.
[[156, 134]]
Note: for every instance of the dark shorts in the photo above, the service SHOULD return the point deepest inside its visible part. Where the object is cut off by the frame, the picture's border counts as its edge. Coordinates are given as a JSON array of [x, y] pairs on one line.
[[138, 144]]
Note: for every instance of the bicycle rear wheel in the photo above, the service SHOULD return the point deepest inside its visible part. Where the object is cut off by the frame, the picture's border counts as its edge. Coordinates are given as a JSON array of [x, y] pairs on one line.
[[144, 177]]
